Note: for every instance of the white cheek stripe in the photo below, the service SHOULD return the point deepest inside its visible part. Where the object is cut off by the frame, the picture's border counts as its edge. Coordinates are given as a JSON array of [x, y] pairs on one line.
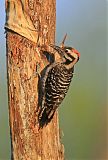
[[74, 55], [69, 58]]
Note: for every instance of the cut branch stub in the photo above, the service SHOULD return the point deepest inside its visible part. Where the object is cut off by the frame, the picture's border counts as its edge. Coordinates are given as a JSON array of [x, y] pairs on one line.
[[63, 41]]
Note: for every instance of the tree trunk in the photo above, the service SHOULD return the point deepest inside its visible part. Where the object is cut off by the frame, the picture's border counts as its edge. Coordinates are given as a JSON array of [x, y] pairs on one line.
[[23, 56]]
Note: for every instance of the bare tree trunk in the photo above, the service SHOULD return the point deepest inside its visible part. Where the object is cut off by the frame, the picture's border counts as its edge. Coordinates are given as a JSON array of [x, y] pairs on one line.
[[22, 58]]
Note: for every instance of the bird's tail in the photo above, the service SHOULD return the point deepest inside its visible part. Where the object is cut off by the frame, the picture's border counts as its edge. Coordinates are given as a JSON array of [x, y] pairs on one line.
[[45, 116]]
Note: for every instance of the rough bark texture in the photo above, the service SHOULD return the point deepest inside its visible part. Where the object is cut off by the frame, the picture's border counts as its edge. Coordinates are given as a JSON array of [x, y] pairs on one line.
[[22, 58]]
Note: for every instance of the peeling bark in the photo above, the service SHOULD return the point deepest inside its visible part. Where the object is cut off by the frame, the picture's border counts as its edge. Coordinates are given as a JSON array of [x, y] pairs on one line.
[[22, 58]]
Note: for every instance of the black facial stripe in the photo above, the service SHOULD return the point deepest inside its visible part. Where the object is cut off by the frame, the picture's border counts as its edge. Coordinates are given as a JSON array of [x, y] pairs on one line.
[[69, 55], [67, 62]]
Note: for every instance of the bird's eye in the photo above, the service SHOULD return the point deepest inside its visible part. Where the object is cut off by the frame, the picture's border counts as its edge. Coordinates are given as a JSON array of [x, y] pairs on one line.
[[66, 50]]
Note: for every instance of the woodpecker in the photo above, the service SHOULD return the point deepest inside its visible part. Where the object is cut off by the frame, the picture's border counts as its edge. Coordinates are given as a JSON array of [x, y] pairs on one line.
[[56, 81]]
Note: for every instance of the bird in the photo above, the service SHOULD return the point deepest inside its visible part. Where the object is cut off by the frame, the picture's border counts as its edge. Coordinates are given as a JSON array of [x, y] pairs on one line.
[[55, 82]]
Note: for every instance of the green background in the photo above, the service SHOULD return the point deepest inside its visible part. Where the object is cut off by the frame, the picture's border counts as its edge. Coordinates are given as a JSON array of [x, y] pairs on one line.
[[83, 113]]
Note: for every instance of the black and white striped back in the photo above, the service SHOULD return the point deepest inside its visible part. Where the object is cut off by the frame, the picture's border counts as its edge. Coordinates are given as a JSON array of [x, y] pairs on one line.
[[55, 86]]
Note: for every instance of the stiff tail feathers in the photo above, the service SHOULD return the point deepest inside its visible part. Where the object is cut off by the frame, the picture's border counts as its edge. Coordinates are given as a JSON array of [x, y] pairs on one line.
[[45, 116]]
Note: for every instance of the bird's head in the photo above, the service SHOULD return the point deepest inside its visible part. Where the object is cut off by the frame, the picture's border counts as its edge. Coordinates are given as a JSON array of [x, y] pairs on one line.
[[71, 53], [69, 56]]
